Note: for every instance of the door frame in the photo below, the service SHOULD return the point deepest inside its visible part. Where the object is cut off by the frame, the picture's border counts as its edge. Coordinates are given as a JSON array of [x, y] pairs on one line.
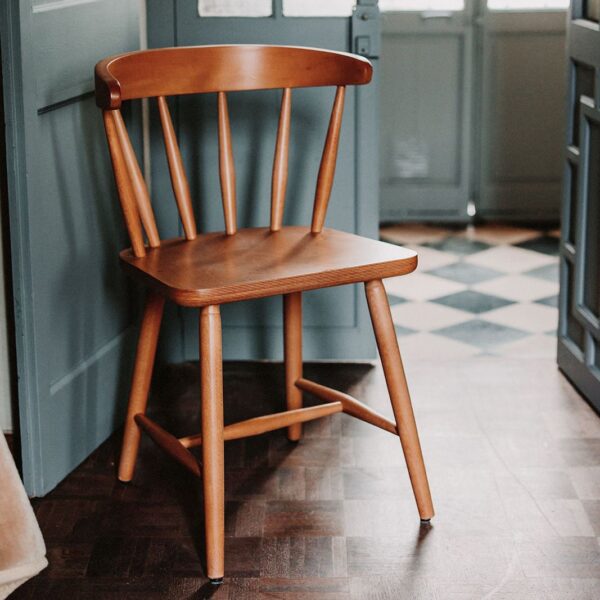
[[26, 419], [6, 273]]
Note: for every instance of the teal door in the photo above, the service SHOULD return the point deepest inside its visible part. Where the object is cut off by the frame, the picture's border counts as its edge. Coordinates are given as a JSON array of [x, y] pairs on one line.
[[472, 105], [336, 320], [426, 106], [521, 107], [73, 319], [579, 304]]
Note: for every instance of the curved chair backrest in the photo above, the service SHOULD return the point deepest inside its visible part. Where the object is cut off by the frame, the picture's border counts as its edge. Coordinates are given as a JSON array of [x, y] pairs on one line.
[[189, 70]]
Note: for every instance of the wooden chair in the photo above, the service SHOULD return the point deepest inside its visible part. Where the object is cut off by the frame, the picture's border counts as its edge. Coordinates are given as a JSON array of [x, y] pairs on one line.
[[205, 270]]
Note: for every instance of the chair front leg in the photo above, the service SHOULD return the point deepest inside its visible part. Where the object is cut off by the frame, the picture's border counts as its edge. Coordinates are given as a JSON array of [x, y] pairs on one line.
[[140, 384], [292, 334], [387, 343], [211, 373]]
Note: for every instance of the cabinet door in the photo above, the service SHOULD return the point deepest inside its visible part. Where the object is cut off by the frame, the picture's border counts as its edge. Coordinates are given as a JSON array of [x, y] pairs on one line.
[[73, 320], [579, 328], [336, 319]]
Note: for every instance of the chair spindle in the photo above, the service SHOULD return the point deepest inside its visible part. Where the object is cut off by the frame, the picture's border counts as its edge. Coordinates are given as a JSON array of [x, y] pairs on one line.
[[328, 160], [129, 206], [226, 166], [140, 191], [280, 161], [179, 180]]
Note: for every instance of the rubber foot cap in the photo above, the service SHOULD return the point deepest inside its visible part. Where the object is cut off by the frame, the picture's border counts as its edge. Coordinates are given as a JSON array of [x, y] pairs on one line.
[[216, 581], [425, 520]]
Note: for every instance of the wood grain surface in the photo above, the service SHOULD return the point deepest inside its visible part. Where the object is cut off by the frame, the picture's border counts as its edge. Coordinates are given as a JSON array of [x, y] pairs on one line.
[[216, 268], [201, 69], [333, 515]]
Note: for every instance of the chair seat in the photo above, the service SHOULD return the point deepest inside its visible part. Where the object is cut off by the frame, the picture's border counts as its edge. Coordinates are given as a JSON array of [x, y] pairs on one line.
[[215, 268]]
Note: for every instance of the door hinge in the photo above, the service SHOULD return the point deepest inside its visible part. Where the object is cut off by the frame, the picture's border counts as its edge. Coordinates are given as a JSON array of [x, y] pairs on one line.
[[366, 29]]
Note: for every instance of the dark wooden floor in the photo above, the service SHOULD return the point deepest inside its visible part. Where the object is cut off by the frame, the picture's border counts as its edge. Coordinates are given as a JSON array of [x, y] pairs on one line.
[[514, 462]]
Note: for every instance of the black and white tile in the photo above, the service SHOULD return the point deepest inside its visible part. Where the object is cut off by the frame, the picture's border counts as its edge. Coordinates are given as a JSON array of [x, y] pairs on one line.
[[479, 290]]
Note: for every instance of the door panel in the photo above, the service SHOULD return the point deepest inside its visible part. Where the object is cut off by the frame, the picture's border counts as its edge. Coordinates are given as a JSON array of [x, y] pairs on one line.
[[407, 152], [590, 296], [579, 304], [74, 323], [425, 109], [61, 56], [88, 234], [336, 320], [522, 108]]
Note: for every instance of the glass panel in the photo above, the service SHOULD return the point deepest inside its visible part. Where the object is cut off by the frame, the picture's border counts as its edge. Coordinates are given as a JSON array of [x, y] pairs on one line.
[[318, 8], [414, 145], [592, 10], [420, 5], [573, 205], [584, 86], [528, 4], [575, 331], [591, 293], [235, 8]]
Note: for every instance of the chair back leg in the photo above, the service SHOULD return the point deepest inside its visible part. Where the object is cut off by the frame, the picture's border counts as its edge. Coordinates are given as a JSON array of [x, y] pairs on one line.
[[292, 332], [140, 385], [211, 375], [387, 343]]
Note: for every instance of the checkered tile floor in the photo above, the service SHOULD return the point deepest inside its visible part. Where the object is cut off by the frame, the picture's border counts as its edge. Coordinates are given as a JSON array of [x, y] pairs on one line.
[[481, 290]]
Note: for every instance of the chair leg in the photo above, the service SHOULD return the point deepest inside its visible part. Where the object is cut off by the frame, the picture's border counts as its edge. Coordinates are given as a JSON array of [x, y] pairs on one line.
[[211, 372], [292, 331], [140, 384], [389, 352]]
